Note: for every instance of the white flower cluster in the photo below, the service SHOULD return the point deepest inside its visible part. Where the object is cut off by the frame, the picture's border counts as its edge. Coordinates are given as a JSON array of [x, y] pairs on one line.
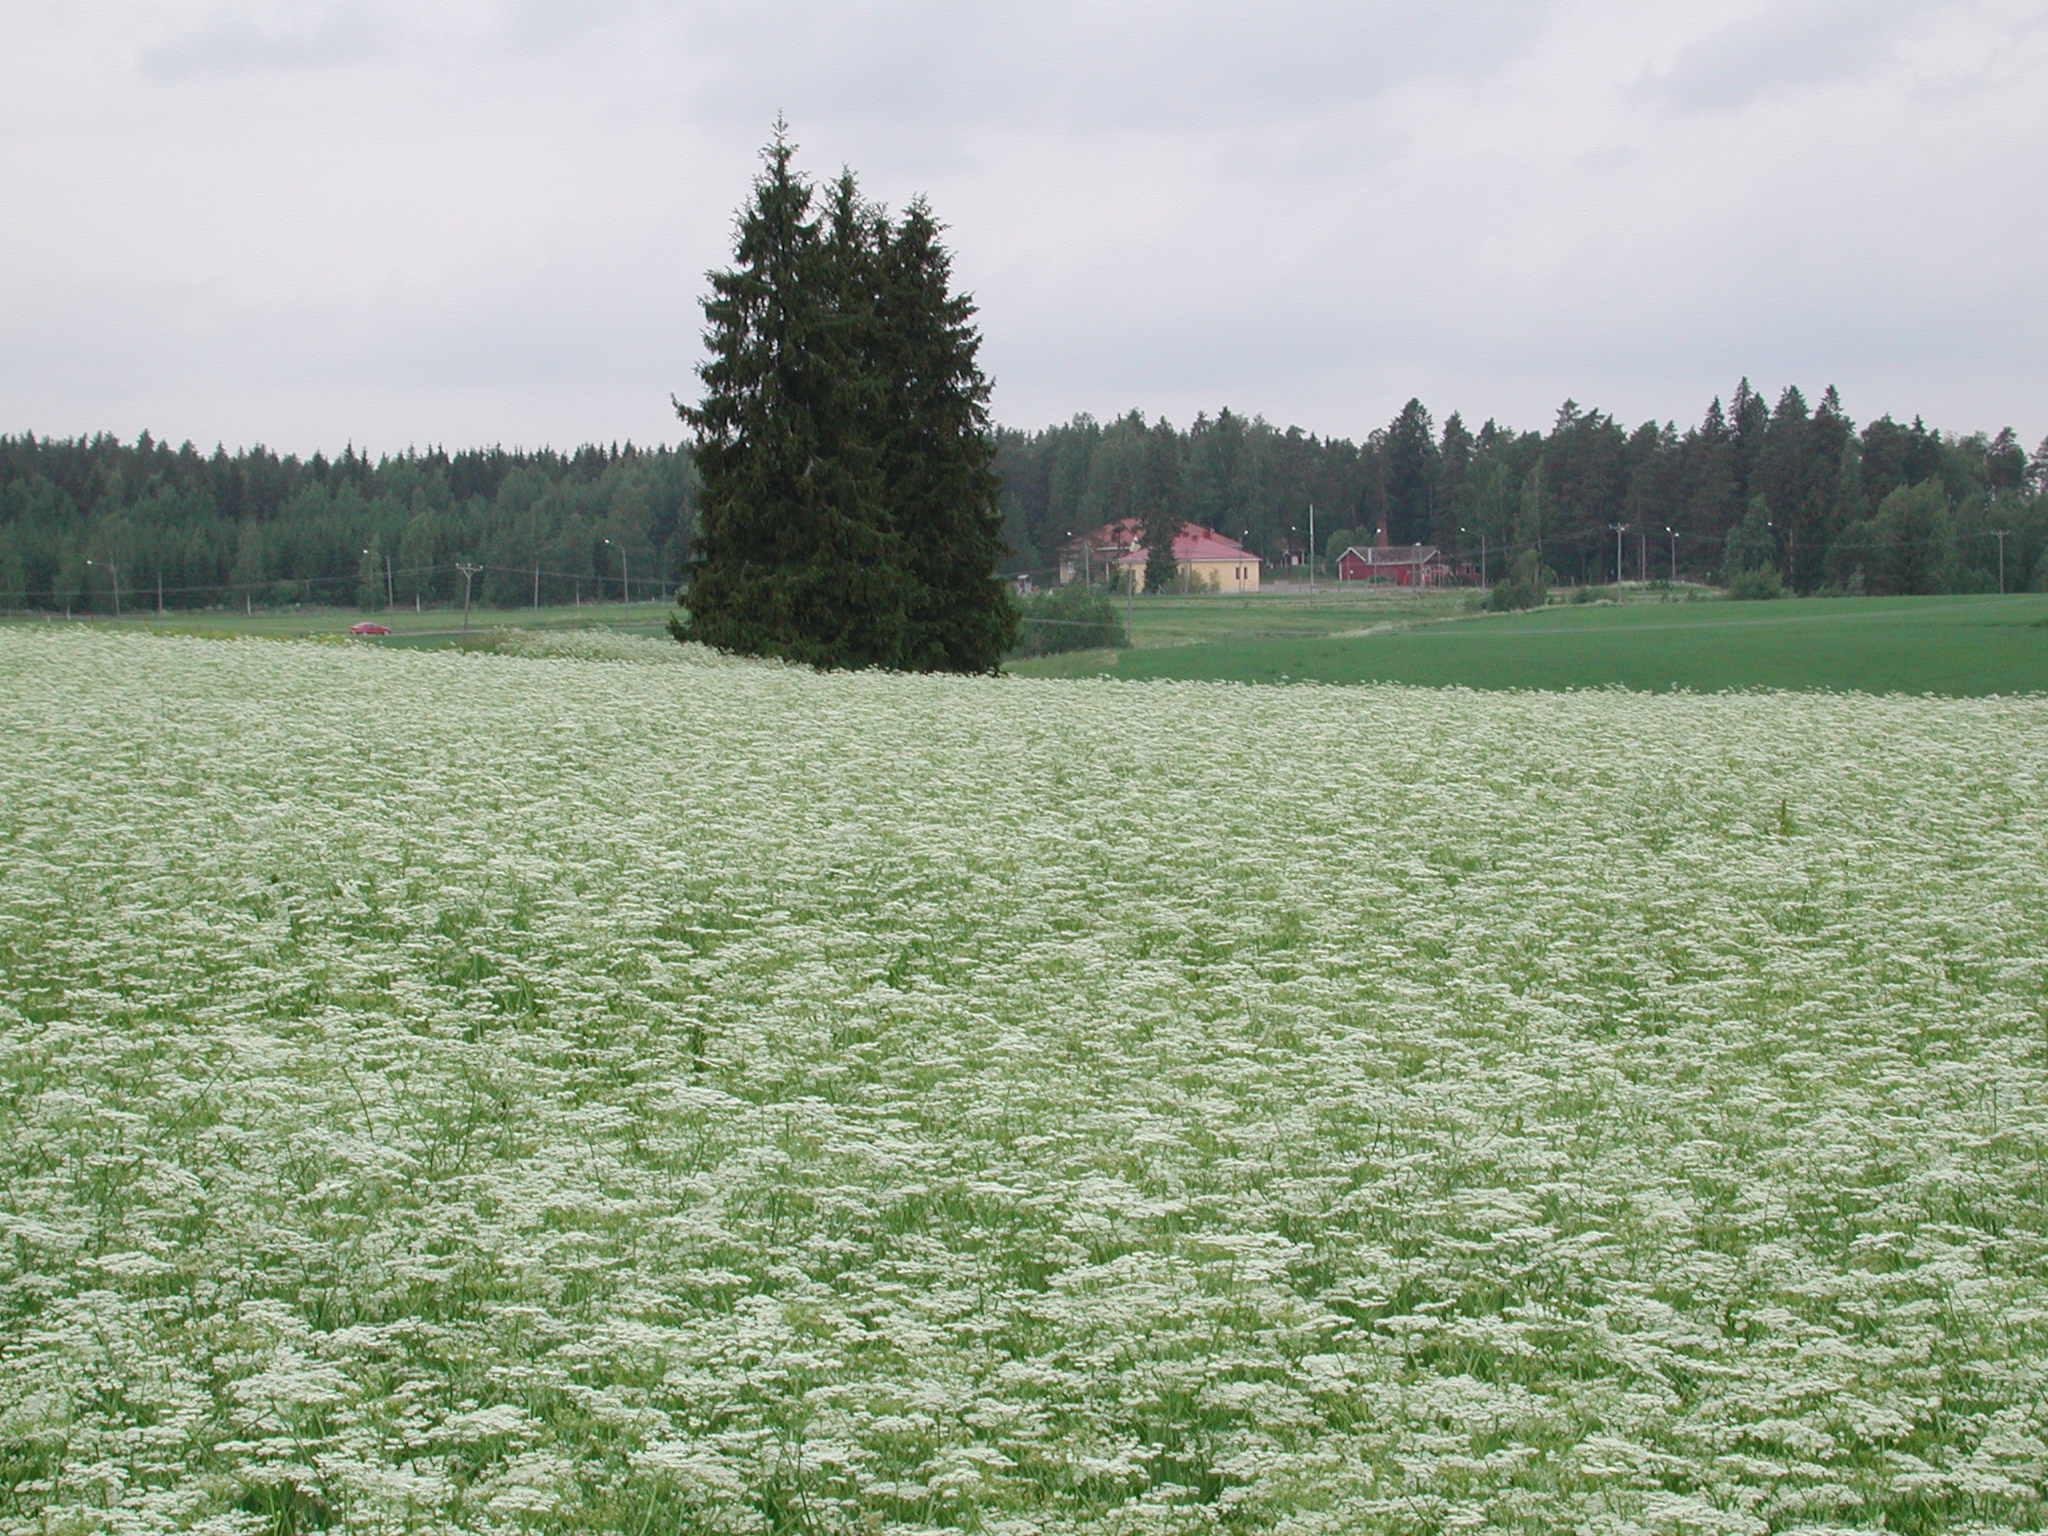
[[607, 645], [448, 1092]]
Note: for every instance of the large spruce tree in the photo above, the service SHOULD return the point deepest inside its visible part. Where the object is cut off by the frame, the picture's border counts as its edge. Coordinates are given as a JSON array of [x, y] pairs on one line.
[[1411, 474], [849, 511], [938, 454], [794, 553]]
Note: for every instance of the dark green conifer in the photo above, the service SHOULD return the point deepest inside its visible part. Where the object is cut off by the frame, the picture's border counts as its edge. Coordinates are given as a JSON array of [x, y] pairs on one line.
[[937, 454], [850, 513], [1411, 474], [794, 554]]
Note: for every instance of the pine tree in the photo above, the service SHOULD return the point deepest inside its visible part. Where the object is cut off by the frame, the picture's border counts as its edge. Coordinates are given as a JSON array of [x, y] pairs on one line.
[[1454, 464], [1159, 503], [1748, 425], [1710, 504], [1848, 521], [1784, 475], [1411, 474], [1532, 515], [2005, 463], [795, 556], [937, 455], [1158, 521]]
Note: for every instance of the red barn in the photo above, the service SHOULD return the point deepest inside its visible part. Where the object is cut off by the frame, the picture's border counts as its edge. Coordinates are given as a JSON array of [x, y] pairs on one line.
[[1402, 565]]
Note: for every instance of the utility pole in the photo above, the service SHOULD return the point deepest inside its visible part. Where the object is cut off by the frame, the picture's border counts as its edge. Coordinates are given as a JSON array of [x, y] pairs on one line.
[[467, 572], [1642, 554], [1618, 528], [160, 582], [2001, 534], [390, 601], [1311, 549], [1674, 553], [536, 583]]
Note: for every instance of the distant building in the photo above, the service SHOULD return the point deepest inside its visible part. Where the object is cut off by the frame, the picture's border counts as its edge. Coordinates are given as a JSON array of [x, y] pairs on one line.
[[1204, 560], [1400, 565]]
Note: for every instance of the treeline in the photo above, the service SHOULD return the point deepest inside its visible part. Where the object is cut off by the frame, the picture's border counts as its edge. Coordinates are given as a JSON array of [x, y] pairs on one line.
[[1818, 485], [78, 515], [262, 528]]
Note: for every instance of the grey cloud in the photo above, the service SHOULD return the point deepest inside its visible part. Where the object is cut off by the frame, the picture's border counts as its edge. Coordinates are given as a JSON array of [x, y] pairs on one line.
[[1171, 206], [547, 26], [1090, 67], [230, 46], [1790, 48]]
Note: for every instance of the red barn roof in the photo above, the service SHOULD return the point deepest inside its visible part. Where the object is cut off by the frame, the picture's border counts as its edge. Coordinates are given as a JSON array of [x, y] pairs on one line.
[[1394, 554]]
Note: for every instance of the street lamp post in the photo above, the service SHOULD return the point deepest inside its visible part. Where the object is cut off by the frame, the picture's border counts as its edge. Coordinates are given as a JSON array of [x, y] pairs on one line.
[[389, 603], [114, 571], [1466, 533], [1618, 530], [1087, 558], [625, 580], [1674, 553]]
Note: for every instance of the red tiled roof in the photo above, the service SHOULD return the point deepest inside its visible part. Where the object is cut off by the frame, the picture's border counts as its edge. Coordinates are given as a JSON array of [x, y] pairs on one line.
[[1193, 543]]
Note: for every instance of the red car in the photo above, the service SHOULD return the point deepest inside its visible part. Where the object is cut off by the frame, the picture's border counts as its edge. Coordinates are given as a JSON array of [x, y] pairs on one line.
[[367, 628]]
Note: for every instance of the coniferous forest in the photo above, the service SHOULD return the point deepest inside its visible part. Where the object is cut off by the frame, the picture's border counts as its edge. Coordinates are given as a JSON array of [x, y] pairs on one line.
[[261, 529], [1887, 508], [1877, 507]]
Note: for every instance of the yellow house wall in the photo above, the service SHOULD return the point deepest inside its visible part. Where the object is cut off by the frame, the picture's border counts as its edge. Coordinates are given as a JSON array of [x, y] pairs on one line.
[[1223, 575], [1201, 575]]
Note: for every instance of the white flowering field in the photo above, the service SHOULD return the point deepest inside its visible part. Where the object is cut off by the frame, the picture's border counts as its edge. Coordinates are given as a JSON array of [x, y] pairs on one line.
[[533, 1093]]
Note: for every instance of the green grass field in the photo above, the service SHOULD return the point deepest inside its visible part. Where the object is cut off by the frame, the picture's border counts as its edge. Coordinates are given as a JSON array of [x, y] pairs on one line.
[[1964, 647], [1956, 646]]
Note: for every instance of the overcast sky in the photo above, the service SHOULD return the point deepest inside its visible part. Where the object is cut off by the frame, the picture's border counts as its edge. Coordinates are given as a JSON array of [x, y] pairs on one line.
[[307, 223]]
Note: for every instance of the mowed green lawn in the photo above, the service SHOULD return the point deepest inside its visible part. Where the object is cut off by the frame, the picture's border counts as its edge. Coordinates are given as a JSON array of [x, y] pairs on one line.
[[1956, 646]]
